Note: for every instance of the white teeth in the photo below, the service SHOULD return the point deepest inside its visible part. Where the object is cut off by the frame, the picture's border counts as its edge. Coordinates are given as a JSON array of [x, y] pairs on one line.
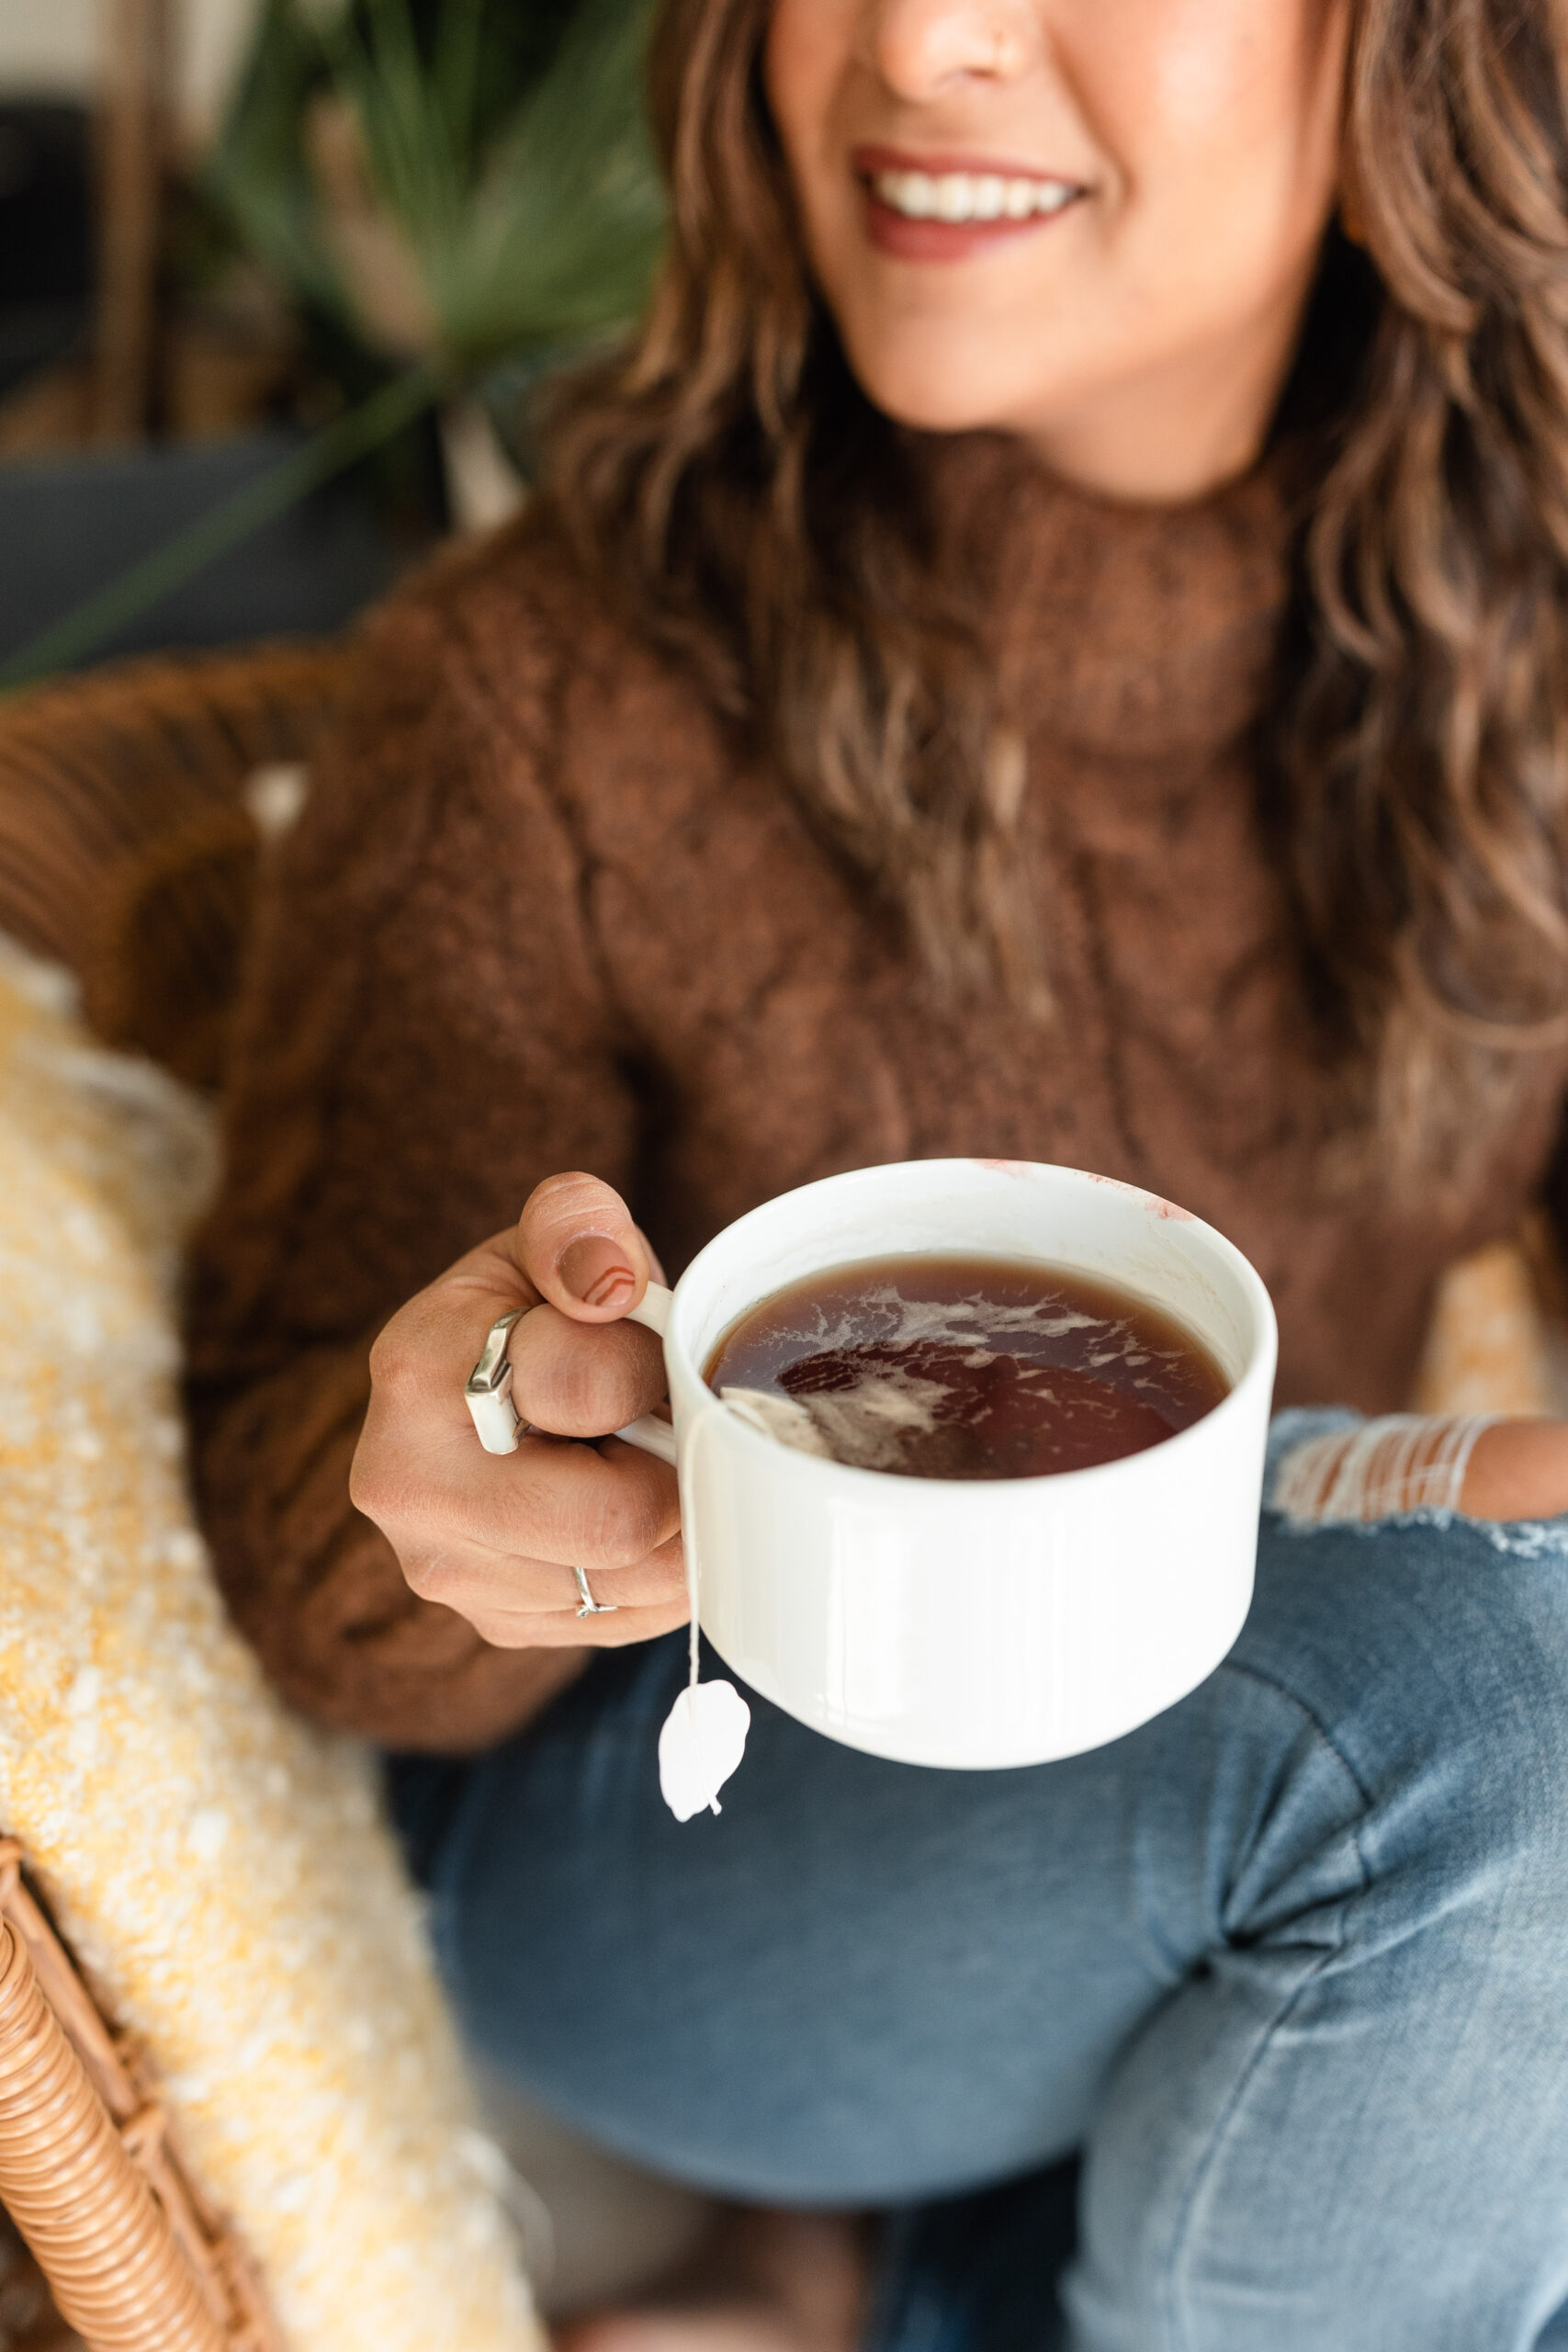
[[958, 197]]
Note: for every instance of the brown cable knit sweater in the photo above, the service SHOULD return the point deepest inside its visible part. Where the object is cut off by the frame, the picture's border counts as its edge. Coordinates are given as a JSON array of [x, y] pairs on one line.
[[540, 914]]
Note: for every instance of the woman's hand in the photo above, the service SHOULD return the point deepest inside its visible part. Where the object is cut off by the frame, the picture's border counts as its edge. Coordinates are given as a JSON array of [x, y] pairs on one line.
[[1518, 1470], [496, 1536]]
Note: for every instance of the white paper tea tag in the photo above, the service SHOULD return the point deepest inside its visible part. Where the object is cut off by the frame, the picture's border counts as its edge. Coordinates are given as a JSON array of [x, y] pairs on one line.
[[704, 1736], [703, 1740]]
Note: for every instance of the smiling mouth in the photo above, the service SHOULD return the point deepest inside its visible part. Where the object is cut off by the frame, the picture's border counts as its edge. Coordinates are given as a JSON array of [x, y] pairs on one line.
[[964, 200]]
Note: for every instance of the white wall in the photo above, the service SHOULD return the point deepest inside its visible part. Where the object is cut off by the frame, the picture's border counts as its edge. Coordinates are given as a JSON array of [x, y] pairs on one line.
[[49, 47]]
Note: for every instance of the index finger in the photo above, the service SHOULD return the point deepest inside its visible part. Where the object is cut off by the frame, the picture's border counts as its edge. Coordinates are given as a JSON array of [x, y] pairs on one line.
[[432, 1343]]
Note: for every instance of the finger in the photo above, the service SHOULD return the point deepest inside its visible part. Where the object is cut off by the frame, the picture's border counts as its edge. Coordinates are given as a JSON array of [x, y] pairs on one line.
[[477, 1582], [582, 1381], [553, 1499], [579, 1247], [425, 1353], [567, 1631]]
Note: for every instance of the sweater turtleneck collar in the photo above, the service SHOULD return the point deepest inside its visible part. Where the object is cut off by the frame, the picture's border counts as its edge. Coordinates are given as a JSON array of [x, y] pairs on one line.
[[1133, 632]]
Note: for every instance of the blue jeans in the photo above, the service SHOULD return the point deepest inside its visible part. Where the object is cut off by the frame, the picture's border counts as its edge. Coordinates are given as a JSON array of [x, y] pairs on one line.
[[1248, 2033]]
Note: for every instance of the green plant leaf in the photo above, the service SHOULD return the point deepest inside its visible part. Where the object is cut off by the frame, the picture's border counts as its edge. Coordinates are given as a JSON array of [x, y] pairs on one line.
[[532, 222], [258, 174]]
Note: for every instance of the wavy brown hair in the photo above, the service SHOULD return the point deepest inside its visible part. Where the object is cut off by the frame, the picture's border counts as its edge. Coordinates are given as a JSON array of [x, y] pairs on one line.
[[733, 487]]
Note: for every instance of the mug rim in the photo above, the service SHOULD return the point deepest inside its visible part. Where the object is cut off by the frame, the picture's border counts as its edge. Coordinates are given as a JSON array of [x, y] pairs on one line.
[[1260, 1361]]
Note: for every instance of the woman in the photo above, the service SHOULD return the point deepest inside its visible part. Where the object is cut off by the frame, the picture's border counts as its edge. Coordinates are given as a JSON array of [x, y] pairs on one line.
[[1052, 644]]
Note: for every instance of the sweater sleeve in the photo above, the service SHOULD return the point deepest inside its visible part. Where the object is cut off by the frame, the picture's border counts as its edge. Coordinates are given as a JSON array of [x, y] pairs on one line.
[[422, 1035]]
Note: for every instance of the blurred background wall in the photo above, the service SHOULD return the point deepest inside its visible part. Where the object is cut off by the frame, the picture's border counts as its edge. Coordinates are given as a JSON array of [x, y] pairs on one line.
[[280, 282], [51, 48]]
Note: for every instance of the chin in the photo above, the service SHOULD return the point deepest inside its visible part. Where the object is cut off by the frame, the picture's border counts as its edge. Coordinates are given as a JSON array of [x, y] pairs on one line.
[[928, 406], [939, 386]]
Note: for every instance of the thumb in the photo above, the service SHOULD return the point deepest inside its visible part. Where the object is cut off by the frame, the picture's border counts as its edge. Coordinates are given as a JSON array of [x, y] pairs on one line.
[[580, 1250]]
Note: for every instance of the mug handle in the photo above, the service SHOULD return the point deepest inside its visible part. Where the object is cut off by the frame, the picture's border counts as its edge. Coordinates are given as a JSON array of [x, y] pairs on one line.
[[654, 1436]]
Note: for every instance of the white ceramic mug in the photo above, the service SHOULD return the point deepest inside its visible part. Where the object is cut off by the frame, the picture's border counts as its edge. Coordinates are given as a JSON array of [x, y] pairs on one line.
[[959, 1622]]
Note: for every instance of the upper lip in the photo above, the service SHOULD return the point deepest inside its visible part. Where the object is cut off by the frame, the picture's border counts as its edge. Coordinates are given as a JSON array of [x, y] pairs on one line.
[[869, 160]]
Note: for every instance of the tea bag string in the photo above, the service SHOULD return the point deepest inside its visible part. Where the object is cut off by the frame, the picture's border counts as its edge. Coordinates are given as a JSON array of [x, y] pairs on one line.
[[703, 1737], [711, 1409], [705, 1411]]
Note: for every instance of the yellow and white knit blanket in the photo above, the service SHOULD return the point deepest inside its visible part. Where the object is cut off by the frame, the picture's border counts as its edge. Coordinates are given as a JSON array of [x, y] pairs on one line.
[[221, 1868]]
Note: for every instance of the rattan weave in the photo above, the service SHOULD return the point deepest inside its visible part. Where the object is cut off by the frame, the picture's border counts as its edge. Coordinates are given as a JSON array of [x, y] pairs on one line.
[[136, 2261], [127, 852]]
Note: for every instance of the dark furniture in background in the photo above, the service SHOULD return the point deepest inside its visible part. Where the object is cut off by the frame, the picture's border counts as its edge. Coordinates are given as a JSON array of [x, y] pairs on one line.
[[69, 524], [46, 235]]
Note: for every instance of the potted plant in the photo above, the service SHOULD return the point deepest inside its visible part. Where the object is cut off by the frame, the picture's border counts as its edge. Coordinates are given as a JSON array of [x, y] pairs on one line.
[[454, 196]]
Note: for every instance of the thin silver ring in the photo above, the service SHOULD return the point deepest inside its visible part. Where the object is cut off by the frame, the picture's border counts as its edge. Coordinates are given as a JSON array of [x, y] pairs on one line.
[[591, 1608]]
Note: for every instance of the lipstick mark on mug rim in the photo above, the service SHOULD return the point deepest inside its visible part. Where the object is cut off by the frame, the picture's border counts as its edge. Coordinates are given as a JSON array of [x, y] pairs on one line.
[[1152, 1201]]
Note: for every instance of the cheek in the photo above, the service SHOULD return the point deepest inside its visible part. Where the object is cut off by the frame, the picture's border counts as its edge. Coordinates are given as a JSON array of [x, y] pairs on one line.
[[802, 57], [1225, 101], [1209, 66], [1227, 130]]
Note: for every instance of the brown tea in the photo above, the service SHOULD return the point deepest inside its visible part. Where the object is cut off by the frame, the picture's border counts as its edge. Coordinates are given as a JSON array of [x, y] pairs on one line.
[[957, 1367]]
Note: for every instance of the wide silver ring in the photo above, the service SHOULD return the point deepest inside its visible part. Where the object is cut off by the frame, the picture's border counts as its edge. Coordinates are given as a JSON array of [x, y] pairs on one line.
[[488, 1394], [591, 1608]]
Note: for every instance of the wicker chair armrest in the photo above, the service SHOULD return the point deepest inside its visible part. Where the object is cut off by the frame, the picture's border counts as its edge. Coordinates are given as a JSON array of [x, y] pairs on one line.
[[127, 847], [132, 2253]]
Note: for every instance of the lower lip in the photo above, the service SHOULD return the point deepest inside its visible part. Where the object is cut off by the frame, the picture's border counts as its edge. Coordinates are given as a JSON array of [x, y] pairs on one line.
[[893, 232]]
